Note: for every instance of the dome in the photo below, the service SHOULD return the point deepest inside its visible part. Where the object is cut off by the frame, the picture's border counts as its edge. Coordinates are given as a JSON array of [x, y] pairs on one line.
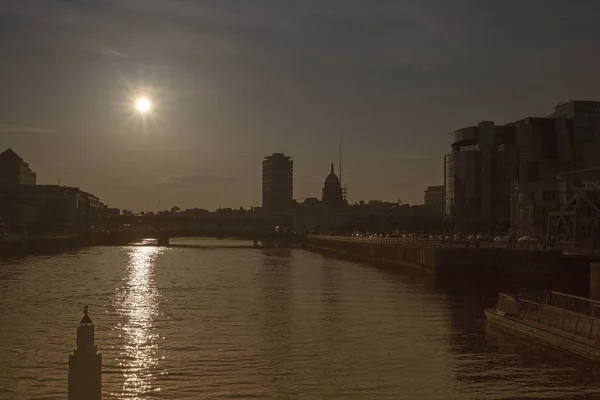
[[332, 180]]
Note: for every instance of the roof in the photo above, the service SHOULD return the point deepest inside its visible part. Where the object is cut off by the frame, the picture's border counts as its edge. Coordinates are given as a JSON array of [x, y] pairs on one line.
[[435, 188], [10, 153]]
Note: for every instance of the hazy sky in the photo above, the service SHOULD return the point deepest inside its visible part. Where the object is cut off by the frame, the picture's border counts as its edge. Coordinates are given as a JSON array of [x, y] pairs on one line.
[[235, 80]]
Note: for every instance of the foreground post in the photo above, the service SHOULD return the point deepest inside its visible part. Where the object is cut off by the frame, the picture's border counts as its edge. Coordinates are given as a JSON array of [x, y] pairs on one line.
[[85, 364]]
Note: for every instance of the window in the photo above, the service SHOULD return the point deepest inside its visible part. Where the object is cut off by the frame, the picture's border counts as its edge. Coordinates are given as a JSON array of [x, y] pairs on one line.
[[534, 171], [549, 195], [588, 134]]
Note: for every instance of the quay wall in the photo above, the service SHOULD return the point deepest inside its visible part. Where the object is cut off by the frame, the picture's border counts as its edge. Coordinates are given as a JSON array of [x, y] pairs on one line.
[[532, 267]]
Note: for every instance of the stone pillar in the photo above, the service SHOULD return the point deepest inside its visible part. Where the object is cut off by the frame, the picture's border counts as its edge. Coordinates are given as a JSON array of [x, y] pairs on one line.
[[85, 364], [595, 280]]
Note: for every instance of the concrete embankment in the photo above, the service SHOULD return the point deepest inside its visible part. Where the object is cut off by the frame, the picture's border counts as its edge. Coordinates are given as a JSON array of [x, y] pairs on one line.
[[39, 246], [461, 264], [23, 246]]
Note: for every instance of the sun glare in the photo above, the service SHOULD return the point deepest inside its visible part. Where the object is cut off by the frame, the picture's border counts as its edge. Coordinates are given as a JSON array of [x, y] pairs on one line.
[[142, 104]]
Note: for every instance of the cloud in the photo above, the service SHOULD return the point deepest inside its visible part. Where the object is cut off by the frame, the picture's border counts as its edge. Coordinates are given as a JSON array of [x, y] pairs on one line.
[[24, 129], [106, 51], [186, 181]]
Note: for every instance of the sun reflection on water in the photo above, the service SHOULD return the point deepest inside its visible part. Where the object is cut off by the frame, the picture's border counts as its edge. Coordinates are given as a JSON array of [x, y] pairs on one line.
[[137, 304]]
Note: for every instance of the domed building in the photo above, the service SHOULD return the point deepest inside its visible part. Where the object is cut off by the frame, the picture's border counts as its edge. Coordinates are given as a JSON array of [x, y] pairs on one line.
[[332, 191]]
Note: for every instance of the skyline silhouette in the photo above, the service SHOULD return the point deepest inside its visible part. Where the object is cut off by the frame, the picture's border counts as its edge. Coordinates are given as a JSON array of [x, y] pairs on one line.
[[235, 82]]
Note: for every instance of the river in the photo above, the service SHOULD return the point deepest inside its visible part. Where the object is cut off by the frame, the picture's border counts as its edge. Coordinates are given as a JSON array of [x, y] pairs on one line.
[[239, 323]]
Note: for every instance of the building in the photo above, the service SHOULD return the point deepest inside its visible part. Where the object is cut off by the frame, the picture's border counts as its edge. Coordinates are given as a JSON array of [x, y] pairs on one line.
[[15, 171], [277, 184], [48, 209], [577, 219], [435, 200], [479, 172], [536, 201], [489, 161], [333, 195]]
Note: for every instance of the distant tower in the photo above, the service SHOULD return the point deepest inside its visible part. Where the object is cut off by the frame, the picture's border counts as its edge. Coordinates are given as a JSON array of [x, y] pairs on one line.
[[85, 364], [277, 183]]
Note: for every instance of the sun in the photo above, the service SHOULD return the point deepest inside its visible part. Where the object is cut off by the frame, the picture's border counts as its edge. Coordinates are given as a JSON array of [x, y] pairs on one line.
[[143, 105]]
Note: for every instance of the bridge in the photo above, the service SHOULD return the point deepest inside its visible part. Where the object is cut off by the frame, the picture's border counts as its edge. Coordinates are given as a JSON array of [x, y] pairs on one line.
[[163, 236]]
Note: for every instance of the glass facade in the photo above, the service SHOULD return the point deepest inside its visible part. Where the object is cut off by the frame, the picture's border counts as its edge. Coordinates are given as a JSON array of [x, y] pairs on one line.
[[463, 183]]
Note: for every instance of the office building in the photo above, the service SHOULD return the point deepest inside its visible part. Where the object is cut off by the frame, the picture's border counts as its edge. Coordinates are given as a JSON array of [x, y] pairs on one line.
[[435, 200], [479, 171], [15, 171], [48, 209], [277, 183], [488, 162]]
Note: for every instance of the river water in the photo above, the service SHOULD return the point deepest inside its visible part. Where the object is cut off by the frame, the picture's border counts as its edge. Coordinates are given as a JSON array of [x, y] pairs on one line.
[[236, 323]]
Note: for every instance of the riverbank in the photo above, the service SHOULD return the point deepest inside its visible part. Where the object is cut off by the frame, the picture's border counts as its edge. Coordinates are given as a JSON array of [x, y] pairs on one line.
[[529, 267]]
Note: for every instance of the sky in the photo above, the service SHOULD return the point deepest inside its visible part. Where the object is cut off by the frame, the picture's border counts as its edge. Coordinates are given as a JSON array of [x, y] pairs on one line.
[[232, 81]]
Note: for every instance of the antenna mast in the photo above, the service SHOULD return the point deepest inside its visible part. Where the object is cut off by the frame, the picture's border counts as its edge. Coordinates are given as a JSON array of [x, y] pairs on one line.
[[340, 162]]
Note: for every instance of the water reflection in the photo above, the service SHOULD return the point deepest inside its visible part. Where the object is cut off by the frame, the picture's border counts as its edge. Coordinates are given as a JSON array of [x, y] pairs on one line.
[[137, 305], [277, 310]]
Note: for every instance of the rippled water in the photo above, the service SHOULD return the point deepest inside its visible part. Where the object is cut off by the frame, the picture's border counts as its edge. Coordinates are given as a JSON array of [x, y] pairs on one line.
[[180, 323]]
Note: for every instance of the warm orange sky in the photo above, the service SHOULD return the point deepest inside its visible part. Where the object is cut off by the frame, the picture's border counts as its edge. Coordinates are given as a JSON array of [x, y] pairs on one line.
[[234, 81]]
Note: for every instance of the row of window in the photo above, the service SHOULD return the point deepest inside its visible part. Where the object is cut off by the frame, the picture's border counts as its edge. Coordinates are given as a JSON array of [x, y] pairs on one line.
[[547, 195]]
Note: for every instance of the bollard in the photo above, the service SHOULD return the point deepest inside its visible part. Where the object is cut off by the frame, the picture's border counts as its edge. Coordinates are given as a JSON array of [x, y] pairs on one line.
[[85, 364]]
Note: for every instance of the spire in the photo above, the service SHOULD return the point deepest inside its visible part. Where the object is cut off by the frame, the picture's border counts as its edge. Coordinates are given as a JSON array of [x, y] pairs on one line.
[[86, 318], [332, 168]]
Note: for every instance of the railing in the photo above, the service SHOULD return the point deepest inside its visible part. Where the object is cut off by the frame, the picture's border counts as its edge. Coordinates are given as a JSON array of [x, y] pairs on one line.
[[428, 242], [375, 240], [570, 314]]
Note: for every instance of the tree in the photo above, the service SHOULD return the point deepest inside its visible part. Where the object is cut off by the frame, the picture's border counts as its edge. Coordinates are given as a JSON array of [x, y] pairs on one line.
[[175, 209], [362, 202]]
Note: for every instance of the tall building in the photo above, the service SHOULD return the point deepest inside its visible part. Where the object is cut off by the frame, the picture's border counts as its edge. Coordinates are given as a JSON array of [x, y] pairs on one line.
[[435, 200], [15, 171], [479, 171], [333, 196], [488, 161], [277, 183]]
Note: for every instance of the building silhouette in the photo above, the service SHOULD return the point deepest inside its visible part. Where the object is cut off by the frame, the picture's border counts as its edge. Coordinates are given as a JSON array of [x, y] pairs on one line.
[[488, 161], [277, 183], [333, 196], [85, 364], [15, 171], [435, 200], [46, 209]]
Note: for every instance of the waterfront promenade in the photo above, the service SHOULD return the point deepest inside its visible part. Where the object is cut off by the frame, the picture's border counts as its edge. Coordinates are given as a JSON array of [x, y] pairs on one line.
[[450, 262]]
